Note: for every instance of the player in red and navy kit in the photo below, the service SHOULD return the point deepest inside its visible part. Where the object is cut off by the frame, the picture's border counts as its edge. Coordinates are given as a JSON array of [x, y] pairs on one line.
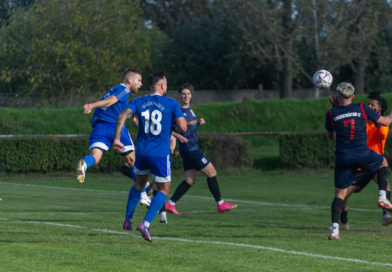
[[193, 158], [156, 115], [348, 121], [376, 138], [103, 123]]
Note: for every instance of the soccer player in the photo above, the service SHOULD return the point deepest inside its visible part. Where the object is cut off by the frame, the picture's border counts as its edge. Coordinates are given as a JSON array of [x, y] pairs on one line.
[[103, 123], [156, 116], [193, 158], [348, 121], [376, 138]]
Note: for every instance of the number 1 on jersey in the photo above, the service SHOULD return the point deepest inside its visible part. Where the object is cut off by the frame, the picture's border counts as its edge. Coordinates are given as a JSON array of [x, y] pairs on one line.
[[155, 118], [352, 126]]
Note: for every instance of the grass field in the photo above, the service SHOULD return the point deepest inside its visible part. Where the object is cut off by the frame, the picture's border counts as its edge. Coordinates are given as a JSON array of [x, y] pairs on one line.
[[53, 223]]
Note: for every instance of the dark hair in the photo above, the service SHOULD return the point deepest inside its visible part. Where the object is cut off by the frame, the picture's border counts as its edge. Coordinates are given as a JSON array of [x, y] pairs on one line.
[[154, 78], [185, 86], [381, 101], [127, 73]]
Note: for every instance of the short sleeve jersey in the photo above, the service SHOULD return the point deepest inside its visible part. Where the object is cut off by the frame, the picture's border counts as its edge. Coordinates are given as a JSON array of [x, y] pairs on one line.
[[155, 114], [377, 136], [190, 133], [111, 113], [349, 124]]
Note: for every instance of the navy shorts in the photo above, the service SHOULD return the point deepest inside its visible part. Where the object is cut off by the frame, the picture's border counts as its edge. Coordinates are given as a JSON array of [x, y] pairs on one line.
[[346, 166], [194, 160], [362, 179]]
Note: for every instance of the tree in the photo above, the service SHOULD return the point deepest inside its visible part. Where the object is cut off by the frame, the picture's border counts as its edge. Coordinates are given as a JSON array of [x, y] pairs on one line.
[[81, 47]]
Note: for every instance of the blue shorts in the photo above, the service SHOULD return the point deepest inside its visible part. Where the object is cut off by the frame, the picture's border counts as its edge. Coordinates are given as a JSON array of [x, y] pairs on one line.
[[346, 167], [160, 168], [194, 160], [102, 137]]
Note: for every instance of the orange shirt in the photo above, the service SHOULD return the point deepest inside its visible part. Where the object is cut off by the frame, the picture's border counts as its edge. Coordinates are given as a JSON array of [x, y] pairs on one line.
[[376, 137]]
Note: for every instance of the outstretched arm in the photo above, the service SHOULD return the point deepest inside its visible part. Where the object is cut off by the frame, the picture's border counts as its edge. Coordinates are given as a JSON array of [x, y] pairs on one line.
[[124, 115], [100, 104], [181, 138], [385, 120]]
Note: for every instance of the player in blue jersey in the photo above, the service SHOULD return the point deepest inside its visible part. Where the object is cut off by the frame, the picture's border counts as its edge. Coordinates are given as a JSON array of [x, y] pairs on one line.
[[156, 114], [103, 122], [193, 158], [348, 121]]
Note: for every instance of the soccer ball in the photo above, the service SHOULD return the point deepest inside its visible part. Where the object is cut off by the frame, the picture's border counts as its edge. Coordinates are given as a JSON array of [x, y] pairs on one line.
[[322, 79]]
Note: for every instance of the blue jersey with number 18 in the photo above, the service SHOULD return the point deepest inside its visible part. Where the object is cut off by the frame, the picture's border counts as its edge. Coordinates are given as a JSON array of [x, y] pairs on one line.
[[156, 115]]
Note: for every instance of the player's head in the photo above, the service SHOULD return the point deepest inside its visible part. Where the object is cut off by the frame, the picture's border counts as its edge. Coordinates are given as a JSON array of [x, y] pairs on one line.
[[377, 103], [185, 91], [158, 82], [345, 90], [132, 78]]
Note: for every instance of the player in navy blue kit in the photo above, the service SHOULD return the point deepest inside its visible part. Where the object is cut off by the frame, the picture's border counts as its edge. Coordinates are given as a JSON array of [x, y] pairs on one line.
[[103, 123], [193, 158], [348, 121], [156, 115]]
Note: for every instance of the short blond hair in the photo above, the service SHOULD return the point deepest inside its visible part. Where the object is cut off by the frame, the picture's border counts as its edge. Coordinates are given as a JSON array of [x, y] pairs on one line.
[[345, 89]]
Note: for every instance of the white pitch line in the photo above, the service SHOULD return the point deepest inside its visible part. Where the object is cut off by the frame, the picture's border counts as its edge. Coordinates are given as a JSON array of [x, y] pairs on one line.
[[206, 242], [190, 196]]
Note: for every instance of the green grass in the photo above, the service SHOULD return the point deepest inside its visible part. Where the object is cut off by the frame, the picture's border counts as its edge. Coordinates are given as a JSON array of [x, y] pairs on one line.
[[246, 116], [53, 223]]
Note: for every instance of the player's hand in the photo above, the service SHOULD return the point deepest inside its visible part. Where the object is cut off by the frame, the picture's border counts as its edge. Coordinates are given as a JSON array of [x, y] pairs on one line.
[[201, 121], [135, 120], [117, 145], [334, 101], [87, 109], [182, 139], [174, 154]]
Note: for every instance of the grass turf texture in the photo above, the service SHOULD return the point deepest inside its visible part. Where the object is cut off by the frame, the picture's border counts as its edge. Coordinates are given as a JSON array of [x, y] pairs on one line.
[[287, 210]]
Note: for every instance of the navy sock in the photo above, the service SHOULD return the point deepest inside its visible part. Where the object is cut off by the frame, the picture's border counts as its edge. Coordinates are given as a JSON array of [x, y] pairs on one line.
[[156, 204], [180, 191], [336, 209], [343, 217], [214, 188], [133, 200]]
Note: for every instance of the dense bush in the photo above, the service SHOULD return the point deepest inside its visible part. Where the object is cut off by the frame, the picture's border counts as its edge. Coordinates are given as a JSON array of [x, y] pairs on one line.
[[49, 154], [312, 150]]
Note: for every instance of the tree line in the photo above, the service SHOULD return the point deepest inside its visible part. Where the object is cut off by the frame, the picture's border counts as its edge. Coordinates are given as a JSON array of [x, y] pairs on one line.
[[63, 50]]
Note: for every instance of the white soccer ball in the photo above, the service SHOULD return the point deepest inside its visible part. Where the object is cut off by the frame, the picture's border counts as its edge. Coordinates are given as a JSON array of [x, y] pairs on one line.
[[322, 79]]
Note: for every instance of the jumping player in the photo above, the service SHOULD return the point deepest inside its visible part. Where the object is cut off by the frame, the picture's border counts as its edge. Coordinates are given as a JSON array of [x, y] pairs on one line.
[[156, 116], [376, 138], [352, 152], [193, 159], [103, 123]]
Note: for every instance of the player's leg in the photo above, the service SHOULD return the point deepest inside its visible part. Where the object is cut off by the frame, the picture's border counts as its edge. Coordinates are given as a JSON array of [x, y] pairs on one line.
[[99, 142], [344, 214], [383, 178], [190, 179], [212, 183], [142, 171], [336, 210], [387, 218], [161, 171]]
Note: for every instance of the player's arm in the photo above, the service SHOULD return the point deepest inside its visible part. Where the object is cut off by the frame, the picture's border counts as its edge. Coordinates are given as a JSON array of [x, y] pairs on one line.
[[124, 115], [385, 120], [180, 126], [181, 138], [100, 104], [201, 122], [173, 143]]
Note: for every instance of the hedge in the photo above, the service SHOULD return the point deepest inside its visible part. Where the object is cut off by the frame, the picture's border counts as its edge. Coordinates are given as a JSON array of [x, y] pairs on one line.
[[60, 153], [314, 150]]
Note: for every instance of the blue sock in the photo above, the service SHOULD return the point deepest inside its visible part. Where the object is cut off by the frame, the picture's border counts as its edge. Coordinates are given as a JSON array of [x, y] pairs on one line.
[[133, 173], [156, 204], [133, 199], [89, 160]]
